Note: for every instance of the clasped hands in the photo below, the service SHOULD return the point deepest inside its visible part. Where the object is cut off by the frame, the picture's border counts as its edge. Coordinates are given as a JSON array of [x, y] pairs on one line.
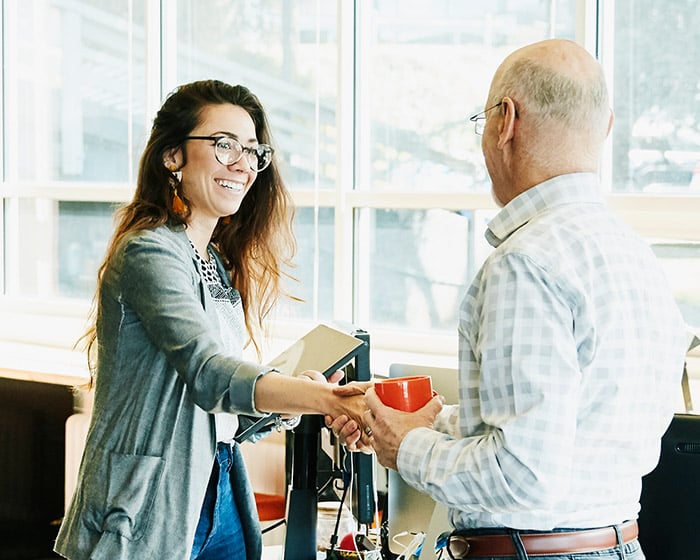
[[371, 426]]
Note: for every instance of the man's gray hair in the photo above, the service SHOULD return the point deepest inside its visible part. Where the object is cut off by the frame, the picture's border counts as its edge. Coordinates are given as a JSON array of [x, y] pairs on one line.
[[578, 103]]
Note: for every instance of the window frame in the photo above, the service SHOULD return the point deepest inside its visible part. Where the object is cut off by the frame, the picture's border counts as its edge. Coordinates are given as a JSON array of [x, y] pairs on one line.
[[37, 320]]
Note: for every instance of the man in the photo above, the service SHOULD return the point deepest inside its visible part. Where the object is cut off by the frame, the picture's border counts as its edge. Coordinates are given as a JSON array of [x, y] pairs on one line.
[[571, 346]]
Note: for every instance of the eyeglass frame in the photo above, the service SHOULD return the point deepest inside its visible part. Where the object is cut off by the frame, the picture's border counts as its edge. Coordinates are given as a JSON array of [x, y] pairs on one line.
[[479, 119], [251, 152]]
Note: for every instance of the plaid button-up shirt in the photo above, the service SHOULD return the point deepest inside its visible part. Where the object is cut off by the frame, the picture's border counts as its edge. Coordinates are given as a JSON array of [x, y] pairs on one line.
[[571, 351]]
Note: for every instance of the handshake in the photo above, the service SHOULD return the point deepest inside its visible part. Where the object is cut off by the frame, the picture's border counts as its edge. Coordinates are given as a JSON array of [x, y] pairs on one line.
[[378, 415]]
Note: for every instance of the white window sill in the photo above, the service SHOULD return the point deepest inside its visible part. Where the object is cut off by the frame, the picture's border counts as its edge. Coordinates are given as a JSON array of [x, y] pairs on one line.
[[41, 364]]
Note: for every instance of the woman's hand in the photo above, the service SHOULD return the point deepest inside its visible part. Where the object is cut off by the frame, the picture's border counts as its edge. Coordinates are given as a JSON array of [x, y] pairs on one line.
[[353, 388], [347, 426], [310, 393], [316, 376]]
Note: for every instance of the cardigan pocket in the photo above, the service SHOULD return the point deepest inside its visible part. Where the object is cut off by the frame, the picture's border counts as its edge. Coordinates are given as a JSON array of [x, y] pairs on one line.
[[122, 492]]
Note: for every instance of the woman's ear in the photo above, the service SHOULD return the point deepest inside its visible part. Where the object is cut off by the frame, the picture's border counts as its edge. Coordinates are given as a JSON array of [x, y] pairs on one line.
[[172, 159]]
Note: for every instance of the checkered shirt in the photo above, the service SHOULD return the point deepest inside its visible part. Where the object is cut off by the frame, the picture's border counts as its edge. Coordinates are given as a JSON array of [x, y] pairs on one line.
[[571, 350]]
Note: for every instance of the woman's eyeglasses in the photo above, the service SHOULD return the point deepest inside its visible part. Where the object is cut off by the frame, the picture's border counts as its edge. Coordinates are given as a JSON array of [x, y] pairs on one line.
[[228, 151]]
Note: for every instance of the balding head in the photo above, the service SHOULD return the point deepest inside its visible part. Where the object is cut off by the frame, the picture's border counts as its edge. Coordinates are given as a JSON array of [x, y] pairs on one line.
[[550, 117], [560, 94]]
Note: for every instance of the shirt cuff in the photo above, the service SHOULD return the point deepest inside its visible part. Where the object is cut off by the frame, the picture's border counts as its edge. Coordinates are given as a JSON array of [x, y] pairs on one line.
[[242, 387], [414, 454]]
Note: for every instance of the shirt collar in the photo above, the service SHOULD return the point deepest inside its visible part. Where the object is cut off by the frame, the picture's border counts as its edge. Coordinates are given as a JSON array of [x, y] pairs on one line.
[[564, 189]]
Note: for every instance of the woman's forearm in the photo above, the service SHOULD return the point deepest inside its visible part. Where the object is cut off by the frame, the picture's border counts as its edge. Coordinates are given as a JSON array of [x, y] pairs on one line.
[[301, 395]]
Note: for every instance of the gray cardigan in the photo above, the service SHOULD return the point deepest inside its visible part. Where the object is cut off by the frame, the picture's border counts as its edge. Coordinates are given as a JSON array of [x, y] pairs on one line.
[[161, 373]]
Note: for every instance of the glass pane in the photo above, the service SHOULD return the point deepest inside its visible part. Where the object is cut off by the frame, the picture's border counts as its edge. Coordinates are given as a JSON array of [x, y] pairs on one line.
[[419, 263], [74, 89], [58, 246], [84, 229], [425, 67], [682, 263], [656, 136], [286, 53], [314, 271]]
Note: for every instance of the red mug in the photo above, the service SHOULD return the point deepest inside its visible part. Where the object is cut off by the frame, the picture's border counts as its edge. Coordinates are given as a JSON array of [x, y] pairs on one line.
[[405, 393]]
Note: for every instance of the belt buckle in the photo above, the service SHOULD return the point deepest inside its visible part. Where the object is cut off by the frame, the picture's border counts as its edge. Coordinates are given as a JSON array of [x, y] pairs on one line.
[[457, 547]]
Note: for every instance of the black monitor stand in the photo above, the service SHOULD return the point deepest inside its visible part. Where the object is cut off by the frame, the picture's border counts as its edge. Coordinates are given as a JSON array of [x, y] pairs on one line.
[[302, 507]]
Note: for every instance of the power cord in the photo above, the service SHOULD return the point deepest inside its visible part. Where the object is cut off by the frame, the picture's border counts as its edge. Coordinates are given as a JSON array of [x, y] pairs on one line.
[[413, 548], [346, 485]]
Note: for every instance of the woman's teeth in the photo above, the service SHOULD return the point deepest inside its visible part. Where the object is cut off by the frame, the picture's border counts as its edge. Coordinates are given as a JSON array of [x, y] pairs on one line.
[[231, 185]]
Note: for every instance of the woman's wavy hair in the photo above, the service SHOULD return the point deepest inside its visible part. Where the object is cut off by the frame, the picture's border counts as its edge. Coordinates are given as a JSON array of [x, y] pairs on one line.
[[256, 243]]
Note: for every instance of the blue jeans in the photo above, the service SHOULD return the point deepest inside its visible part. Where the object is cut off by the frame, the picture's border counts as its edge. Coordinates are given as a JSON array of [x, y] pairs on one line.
[[219, 533]]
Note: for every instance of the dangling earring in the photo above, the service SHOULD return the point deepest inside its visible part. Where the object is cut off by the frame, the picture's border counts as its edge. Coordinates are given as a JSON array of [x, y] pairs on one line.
[[177, 174], [179, 206]]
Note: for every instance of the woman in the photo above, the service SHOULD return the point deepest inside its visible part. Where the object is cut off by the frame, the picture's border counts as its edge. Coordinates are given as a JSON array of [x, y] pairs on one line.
[[204, 239]]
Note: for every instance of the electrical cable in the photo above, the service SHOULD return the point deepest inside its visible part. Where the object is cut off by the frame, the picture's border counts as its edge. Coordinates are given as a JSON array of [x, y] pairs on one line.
[[334, 536], [273, 526], [413, 548]]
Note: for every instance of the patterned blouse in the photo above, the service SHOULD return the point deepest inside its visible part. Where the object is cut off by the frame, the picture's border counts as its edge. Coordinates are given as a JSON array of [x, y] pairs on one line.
[[231, 319]]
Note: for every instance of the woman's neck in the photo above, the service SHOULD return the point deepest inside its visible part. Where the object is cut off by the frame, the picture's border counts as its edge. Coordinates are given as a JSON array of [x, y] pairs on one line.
[[200, 236]]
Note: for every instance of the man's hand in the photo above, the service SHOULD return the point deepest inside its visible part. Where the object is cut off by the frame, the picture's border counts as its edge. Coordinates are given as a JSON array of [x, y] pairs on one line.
[[349, 433], [348, 428], [386, 427]]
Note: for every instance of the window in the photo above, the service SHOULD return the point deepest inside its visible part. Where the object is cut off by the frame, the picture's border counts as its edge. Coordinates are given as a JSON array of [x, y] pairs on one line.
[[368, 104], [421, 72], [287, 54], [74, 107], [655, 152], [656, 138]]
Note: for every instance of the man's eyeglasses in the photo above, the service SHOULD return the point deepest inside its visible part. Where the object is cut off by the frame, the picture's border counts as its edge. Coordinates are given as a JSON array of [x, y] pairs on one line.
[[479, 119], [228, 151]]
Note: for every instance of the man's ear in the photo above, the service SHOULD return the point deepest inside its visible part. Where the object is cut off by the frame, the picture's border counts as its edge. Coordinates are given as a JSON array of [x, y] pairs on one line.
[[507, 129], [611, 120]]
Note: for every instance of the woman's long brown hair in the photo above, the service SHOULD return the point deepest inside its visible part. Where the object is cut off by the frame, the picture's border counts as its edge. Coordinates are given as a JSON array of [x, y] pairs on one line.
[[256, 243]]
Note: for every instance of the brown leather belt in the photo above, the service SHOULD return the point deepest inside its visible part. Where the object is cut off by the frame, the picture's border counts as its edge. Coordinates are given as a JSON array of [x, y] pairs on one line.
[[540, 544]]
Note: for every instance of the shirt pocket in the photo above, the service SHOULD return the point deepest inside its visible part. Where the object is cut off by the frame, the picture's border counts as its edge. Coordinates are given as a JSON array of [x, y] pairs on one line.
[[122, 491]]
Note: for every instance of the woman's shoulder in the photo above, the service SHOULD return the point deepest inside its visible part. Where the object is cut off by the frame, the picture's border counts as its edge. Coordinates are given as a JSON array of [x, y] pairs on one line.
[[145, 254], [163, 246], [167, 236]]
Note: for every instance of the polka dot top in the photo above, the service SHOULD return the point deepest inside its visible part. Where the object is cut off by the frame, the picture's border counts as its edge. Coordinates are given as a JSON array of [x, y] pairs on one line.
[[210, 274]]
